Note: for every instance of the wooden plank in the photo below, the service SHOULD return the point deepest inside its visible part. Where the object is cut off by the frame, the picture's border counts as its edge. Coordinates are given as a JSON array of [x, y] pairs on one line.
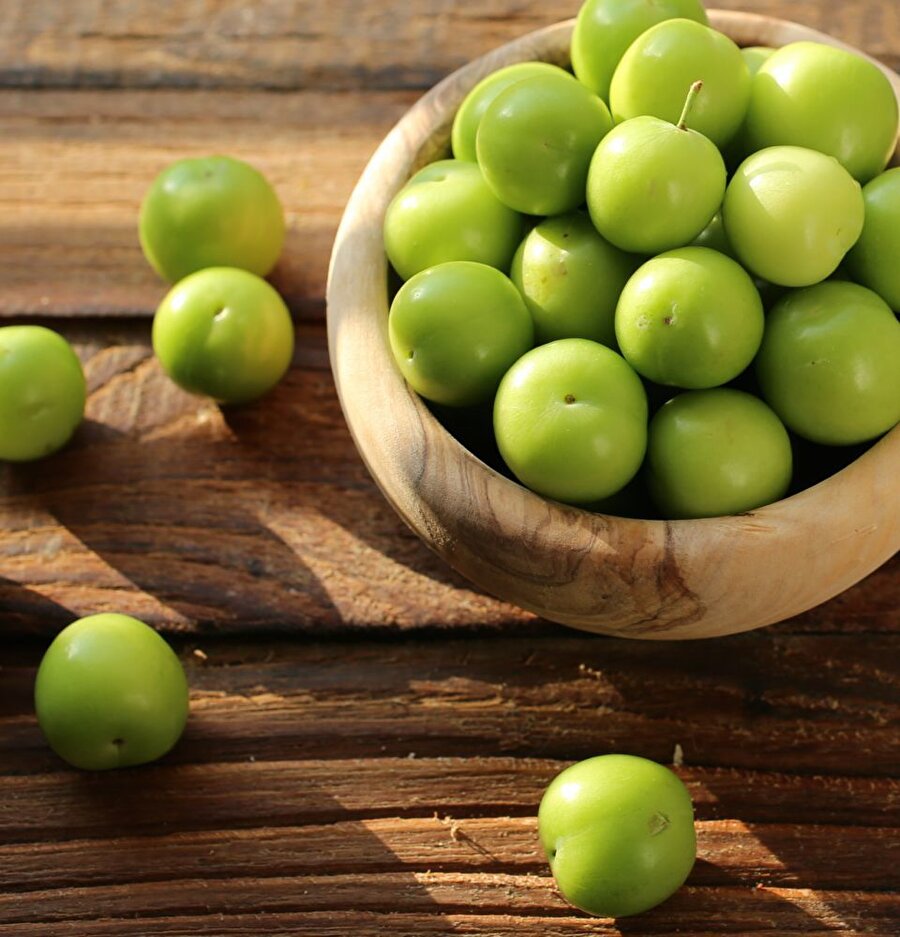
[[68, 221], [784, 910], [729, 852], [256, 518], [167, 798], [808, 704], [800, 916], [324, 43]]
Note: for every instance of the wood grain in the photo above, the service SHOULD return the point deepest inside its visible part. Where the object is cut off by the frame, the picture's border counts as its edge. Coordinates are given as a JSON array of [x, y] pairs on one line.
[[790, 912], [240, 816], [166, 798], [375, 787], [644, 579], [74, 167], [333, 784], [449, 892], [291, 44], [749, 704], [730, 852]]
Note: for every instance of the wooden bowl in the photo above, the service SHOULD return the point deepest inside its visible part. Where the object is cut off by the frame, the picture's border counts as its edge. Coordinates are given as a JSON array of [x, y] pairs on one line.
[[636, 578]]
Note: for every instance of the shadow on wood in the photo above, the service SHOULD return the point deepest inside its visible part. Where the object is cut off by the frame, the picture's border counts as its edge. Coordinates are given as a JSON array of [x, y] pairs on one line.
[[263, 517]]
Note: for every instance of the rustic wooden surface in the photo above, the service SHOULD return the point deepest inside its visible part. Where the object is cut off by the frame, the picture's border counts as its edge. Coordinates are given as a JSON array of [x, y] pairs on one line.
[[369, 735]]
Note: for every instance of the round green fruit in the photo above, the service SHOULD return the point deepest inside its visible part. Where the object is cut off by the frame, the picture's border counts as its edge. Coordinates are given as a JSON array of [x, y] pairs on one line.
[[716, 452], [874, 261], [571, 279], [110, 693], [42, 392], [660, 66], [756, 57], [714, 237], [618, 832], [570, 420], [468, 117], [225, 333], [690, 318], [829, 364], [791, 214], [455, 329], [535, 143], [604, 30], [827, 99], [211, 212], [653, 185], [448, 212]]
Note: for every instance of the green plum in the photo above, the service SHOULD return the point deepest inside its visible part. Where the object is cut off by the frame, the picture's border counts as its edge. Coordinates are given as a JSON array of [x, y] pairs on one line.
[[211, 212], [570, 419], [829, 364], [535, 143], [604, 29], [738, 149], [468, 117], [791, 214], [618, 832], [827, 99], [654, 186], [571, 279], [224, 332], [110, 693], [714, 237], [756, 57], [42, 392], [455, 329], [716, 452], [874, 261], [690, 318], [448, 212], [661, 65]]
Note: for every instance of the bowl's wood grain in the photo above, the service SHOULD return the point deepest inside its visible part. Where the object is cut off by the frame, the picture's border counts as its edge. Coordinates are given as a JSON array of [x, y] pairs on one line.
[[643, 579]]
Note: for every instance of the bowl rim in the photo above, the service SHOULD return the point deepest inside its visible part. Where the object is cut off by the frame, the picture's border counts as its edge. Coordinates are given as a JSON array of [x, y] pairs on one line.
[[407, 138]]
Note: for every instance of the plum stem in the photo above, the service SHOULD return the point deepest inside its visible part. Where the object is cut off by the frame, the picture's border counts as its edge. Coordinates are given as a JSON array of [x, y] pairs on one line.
[[689, 104]]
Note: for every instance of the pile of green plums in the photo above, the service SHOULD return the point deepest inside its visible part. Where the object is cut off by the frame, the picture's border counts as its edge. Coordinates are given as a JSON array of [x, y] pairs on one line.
[[669, 268]]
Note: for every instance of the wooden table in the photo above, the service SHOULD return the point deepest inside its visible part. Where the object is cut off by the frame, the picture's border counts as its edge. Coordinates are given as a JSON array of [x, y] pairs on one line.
[[369, 736]]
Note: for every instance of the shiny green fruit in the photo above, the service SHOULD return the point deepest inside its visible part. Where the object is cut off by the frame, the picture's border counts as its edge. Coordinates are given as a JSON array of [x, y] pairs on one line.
[[455, 329], [535, 143], [42, 392], [791, 214], [827, 99], [448, 212], [211, 212], [716, 452], [225, 333], [874, 261], [618, 832], [604, 30], [829, 364], [468, 117], [653, 185], [690, 318], [571, 279], [110, 693], [660, 66], [570, 419]]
